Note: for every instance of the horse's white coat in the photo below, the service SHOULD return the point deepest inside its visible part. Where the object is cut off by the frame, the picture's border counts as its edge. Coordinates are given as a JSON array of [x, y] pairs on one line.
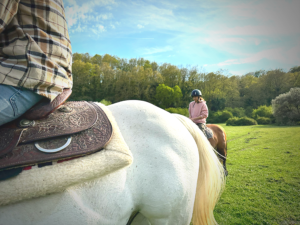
[[160, 183]]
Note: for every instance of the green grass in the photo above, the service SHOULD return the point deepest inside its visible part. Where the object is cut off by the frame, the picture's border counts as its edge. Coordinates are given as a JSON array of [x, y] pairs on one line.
[[263, 185]]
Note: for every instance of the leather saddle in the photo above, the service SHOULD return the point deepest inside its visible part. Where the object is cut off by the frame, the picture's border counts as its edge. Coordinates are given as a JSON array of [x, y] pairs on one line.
[[74, 129]]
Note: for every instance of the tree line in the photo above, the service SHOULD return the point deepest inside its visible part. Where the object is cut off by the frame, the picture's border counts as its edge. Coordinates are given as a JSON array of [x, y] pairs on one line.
[[116, 79]]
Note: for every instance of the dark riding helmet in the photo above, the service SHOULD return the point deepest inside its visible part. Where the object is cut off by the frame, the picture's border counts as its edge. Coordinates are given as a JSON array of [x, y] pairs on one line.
[[196, 92]]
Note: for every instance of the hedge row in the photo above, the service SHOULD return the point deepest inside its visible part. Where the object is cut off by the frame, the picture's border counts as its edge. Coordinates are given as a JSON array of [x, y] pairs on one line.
[[226, 116], [243, 121], [181, 111]]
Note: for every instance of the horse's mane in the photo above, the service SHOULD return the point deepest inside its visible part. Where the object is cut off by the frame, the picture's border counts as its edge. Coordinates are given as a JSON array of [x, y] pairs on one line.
[[211, 179]]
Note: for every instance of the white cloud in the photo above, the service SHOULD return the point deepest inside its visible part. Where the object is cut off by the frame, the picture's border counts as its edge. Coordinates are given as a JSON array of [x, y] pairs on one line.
[[150, 51], [293, 54], [257, 41], [223, 40], [239, 72], [268, 17], [98, 29], [83, 12], [217, 32], [275, 54], [104, 17], [78, 28], [101, 28], [256, 30], [156, 16]]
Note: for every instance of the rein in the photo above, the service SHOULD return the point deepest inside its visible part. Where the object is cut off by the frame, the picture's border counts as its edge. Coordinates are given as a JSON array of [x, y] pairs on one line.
[[132, 218], [221, 155]]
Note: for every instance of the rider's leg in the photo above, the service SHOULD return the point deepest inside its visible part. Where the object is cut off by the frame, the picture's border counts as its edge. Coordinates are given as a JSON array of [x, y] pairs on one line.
[[202, 128], [15, 101]]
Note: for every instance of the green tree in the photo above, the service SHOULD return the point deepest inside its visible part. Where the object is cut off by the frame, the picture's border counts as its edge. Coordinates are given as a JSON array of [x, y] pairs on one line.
[[82, 80], [111, 60], [164, 95], [177, 96], [295, 69], [96, 59], [286, 107], [147, 65], [167, 96], [171, 74], [154, 66]]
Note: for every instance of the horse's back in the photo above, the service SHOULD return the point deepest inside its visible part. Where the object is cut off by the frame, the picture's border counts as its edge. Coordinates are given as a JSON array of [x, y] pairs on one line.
[[160, 183], [165, 157], [218, 132]]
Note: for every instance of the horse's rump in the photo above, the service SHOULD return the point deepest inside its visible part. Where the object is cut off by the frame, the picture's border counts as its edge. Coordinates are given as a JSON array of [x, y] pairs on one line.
[[160, 184], [56, 178], [219, 142]]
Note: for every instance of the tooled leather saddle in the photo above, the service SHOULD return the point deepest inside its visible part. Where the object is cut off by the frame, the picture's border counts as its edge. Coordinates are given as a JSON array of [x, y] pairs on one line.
[[74, 129]]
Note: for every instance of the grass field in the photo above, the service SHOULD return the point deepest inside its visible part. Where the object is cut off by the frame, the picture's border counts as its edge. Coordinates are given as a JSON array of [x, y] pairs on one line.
[[263, 185]]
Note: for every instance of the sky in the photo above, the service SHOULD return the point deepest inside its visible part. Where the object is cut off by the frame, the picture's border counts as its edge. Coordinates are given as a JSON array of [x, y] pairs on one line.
[[235, 37]]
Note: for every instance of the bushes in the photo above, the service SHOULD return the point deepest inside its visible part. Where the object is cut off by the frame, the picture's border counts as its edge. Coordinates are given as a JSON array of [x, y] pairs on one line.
[[219, 117], [262, 111], [105, 102], [181, 111], [263, 120], [235, 116], [231, 121], [243, 121], [237, 112], [286, 107]]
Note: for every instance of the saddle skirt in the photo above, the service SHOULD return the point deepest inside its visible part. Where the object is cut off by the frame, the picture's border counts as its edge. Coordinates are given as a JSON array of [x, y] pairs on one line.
[[38, 182], [83, 125]]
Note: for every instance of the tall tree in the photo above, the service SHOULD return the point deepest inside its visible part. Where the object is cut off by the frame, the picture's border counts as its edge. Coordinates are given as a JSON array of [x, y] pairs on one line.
[[286, 107]]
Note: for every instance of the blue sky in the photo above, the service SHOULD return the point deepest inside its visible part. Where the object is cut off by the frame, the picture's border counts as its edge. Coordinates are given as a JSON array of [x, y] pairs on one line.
[[236, 36]]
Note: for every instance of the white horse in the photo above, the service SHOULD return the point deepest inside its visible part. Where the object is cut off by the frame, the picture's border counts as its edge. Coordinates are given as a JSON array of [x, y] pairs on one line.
[[175, 177]]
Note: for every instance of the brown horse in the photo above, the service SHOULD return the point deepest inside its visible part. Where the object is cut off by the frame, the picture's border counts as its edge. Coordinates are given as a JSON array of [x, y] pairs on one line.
[[219, 142]]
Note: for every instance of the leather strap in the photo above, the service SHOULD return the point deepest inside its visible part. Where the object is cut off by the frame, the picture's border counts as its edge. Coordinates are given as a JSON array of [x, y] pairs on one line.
[[72, 118], [9, 140], [45, 107]]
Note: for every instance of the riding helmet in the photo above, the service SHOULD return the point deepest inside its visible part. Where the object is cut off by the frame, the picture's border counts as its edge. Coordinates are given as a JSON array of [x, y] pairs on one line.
[[196, 92]]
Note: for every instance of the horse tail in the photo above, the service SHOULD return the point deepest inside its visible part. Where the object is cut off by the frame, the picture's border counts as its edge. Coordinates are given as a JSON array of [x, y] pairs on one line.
[[211, 179]]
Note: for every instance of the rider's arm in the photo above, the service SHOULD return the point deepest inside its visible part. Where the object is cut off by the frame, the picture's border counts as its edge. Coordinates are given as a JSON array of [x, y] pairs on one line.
[[203, 113], [190, 111], [8, 9]]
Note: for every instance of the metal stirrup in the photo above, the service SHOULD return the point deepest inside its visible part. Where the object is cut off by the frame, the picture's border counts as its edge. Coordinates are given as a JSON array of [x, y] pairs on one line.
[[53, 150]]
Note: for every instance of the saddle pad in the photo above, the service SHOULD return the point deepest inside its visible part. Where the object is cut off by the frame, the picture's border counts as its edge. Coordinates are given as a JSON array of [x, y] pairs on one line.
[[82, 143], [39, 182]]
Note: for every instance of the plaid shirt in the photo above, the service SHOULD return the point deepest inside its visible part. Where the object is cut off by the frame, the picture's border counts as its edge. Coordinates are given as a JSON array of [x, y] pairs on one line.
[[35, 50]]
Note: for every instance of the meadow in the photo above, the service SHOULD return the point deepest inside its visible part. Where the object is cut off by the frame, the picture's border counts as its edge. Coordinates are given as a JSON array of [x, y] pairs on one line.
[[263, 185]]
